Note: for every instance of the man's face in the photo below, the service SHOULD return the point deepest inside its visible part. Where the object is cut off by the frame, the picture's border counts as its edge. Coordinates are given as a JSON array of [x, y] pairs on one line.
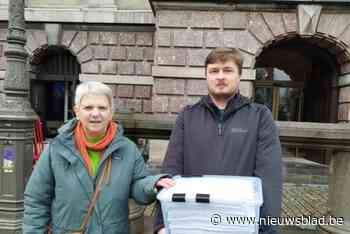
[[95, 113], [223, 79]]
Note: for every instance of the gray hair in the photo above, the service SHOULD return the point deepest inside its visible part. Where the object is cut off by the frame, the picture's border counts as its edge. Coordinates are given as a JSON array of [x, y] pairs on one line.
[[93, 87]]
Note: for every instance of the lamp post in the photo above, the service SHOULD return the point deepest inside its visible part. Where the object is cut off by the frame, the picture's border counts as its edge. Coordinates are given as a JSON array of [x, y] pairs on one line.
[[16, 125]]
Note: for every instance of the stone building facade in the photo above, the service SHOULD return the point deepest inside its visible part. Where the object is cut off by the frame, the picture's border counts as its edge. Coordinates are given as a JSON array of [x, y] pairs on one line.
[[296, 57], [153, 60]]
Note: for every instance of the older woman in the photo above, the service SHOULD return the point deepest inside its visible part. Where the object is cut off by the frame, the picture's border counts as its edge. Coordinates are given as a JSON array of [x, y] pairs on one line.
[[86, 175]]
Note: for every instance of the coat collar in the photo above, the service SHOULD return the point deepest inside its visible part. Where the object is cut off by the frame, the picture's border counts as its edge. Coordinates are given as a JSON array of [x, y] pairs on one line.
[[235, 103], [66, 138]]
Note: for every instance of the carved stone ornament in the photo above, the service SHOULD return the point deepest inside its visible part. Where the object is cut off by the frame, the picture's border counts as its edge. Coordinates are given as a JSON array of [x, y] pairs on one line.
[[308, 16]]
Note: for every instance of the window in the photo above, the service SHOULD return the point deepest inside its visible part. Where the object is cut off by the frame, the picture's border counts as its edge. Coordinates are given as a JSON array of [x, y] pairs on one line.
[[283, 96]]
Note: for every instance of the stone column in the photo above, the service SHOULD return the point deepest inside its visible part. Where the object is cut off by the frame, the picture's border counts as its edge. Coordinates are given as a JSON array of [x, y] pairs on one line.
[[339, 190], [16, 125]]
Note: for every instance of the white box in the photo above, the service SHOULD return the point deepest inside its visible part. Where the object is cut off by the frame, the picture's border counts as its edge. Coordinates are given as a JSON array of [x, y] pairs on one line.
[[210, 205]]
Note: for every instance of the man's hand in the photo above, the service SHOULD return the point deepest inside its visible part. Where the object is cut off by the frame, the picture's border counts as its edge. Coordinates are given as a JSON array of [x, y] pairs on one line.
[[161, 231], [165, 183]]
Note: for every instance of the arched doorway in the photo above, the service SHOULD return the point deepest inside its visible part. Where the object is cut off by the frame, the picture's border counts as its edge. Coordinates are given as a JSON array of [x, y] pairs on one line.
[[296, 79], [56, 74]]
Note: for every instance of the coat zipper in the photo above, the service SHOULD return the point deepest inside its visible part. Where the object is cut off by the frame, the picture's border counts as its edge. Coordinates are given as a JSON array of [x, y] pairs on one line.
[[220, 129]]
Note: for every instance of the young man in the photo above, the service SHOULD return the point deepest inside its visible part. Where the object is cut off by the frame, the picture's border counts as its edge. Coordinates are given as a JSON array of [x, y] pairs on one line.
[[226, 134]]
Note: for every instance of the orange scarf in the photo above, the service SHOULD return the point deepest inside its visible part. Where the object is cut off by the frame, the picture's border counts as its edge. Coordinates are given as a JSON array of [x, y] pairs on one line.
[[83, 144]]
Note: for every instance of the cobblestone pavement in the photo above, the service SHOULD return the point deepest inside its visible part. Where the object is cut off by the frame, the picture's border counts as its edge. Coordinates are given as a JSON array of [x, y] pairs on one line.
[[307, 200]]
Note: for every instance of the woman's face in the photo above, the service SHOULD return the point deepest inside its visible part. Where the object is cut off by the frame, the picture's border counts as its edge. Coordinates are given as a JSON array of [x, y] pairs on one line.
[[95, 113]]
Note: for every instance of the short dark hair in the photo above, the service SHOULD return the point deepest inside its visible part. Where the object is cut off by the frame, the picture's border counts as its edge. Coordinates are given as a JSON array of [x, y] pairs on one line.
[[223, 55]]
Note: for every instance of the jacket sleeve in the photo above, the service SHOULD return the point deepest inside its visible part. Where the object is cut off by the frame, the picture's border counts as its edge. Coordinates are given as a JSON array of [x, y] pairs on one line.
[[268, 167], [38, 196], [173, 163], [143, 188]]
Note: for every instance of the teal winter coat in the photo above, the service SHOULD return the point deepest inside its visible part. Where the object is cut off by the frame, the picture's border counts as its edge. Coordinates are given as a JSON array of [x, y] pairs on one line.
[[59, 189]]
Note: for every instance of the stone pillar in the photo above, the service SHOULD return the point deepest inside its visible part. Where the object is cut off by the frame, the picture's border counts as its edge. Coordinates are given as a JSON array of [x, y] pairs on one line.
[[16, 125], [339, 190]]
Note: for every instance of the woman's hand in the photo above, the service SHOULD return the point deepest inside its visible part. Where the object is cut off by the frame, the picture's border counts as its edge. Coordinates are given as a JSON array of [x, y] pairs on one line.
[[165, 183]]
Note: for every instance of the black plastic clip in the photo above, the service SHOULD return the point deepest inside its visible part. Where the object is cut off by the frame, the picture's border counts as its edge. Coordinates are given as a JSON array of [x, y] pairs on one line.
[[202, 198], [179, 197]]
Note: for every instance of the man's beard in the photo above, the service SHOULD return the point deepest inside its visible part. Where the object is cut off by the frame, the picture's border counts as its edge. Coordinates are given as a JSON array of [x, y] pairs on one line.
[[221, 96]]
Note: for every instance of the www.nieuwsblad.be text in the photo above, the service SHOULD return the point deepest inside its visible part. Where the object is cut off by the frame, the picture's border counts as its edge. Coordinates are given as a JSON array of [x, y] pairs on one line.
[[217, 219]]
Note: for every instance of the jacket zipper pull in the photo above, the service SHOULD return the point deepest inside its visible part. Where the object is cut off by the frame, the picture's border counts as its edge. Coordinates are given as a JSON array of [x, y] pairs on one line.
[[220, 129]]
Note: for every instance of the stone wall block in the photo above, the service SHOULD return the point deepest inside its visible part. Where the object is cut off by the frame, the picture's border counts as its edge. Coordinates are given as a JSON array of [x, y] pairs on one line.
[[127, 38], [170, 86], [290, 22], [178, 19], [241, 39], [100, 52], [90, 67], [235, 20], [165, 56], [67, 38], [143, 68], [196, 57], [143, 91], [338, 24], [248, 59], [188, 38], [206, 19], [126, 68], [213, 39], [79, 42], [164, 37], [176, 104], [94, 37], [258, 27], [343, 112], [197, 87], [230, 38], [344, 94], [144, 38], [40, 36], [275, 23], [345, 36], [146, 106], [109, 38], [3, 34], [134, 53], [125, 91], [108, 67], [134, 105], [3, 63], [85, 55], [325, 22], [148, 54], [246, 88], [160, 104], [118, 53]]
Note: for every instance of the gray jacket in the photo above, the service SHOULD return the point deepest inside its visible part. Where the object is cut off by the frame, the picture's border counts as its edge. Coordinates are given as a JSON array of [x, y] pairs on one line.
[[242, 140]]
